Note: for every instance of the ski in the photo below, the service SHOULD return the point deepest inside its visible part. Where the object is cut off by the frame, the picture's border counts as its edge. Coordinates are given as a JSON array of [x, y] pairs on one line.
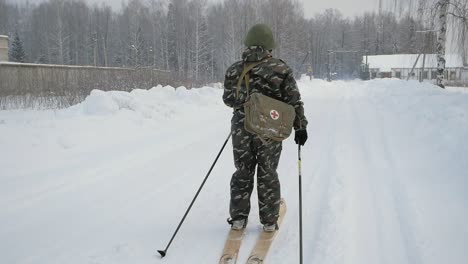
[[261, 248], [232, 246]]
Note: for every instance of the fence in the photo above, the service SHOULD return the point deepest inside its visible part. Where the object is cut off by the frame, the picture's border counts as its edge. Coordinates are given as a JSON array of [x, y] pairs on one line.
[[25, 85]]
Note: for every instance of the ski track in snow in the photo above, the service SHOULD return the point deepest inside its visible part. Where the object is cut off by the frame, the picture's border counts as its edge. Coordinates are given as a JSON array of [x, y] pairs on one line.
[[107, 181]]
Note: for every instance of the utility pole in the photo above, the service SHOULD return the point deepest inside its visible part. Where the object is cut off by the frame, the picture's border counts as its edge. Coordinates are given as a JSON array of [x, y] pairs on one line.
[[298, 72], [423, 51], [414, 66], [380, 31], [95, 50], [328, 65], [367, 76]]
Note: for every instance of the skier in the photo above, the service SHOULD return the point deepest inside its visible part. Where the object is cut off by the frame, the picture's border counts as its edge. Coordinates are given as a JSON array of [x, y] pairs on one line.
[[273, 78]]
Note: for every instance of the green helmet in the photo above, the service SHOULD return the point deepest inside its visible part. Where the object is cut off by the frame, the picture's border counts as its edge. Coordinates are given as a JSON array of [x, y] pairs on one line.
[[260, 35]]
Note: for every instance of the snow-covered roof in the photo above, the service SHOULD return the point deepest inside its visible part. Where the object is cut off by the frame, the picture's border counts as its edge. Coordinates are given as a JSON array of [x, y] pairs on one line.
[[386, 63]]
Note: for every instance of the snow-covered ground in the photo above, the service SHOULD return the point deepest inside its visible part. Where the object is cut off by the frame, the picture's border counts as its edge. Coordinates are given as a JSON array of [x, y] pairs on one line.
[[457, 89], [106, 182]]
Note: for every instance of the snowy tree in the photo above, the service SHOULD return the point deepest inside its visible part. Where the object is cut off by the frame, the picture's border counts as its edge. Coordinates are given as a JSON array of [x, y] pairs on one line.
[[198, 39], [159, 34], [233, 38], [17, 53], [201, 41], [173, 59], [458, 12], [136, 26], [4, 14], [59, 37]]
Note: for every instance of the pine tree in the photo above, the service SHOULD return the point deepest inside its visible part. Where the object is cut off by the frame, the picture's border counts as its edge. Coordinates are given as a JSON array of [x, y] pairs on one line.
[[17, 53]]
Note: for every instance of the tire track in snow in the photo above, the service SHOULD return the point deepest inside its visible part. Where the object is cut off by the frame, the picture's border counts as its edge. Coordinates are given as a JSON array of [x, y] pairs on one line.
[[404, 213], [317, 180], [350, 198], [324, 202], [366, 188], [94, 169], [393, 234]]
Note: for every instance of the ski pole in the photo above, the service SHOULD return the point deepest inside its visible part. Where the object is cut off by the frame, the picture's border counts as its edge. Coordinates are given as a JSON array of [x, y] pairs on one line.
[[163, 252], [300, 203]]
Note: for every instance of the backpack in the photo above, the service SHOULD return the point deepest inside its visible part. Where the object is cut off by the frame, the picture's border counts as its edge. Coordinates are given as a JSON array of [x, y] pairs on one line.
[[266, 117]]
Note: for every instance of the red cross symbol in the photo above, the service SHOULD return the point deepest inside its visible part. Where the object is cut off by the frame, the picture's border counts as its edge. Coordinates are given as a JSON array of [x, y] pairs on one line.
[[274, 114]]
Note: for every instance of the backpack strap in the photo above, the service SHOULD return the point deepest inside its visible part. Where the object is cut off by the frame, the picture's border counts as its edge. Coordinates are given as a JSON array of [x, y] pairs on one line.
[[244, 75]]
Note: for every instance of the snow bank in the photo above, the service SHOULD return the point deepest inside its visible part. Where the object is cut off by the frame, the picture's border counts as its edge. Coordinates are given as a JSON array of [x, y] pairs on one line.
[[426, 103], [318, 88], [157, 102], [99, 102], [457, 89]]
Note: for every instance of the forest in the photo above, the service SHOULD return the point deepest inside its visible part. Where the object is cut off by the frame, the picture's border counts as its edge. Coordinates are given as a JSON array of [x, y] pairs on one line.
[[197, 40]]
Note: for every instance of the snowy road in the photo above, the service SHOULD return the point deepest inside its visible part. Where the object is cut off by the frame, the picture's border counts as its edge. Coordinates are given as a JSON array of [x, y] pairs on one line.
[[385, 178]]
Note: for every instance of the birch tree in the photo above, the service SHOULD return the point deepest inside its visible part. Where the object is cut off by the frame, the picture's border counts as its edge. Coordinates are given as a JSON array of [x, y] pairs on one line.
[[441, 39], [200, 45], [159, 38], [60, 36]]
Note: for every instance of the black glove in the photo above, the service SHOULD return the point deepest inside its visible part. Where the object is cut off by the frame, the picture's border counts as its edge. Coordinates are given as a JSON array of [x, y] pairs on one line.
[[300, 136]]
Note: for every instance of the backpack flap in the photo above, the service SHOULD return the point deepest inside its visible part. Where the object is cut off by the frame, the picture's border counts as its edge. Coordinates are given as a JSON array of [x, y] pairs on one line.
[[268, 118]]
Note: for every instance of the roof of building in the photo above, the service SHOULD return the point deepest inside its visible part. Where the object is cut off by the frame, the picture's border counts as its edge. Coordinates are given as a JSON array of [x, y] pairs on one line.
[[3, 36], [386, 63]]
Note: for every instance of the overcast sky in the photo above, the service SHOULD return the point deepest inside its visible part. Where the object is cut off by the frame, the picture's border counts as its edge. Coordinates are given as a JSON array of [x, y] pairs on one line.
[[346, 7], [311, 7]]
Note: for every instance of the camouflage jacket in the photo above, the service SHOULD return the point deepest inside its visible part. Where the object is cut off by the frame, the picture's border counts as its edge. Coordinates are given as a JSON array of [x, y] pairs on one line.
[[272, 78]]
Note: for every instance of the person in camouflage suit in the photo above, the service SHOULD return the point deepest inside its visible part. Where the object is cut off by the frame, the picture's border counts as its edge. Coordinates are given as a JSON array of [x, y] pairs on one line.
[[273, 78]]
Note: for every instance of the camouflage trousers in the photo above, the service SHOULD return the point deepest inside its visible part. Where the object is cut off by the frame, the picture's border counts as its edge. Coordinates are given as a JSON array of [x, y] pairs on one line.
[[250, 154]]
